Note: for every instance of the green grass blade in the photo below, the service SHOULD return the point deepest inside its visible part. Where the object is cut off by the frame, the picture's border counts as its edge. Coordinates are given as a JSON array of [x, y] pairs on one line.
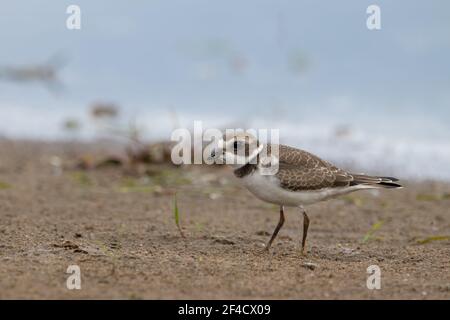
[[4, 185], [372, 230], [176, 214], [433, 238]]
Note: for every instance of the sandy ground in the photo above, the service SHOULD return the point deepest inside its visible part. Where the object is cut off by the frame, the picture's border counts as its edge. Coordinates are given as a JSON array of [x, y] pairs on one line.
[[120, 230]]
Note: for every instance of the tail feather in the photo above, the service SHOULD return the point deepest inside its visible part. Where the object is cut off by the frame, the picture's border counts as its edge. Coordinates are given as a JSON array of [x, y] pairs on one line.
[[390, 178], [390, 185], [382, 182]]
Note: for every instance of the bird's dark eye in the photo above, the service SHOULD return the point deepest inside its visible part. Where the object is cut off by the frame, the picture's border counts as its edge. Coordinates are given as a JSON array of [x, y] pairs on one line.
[[235, 145]]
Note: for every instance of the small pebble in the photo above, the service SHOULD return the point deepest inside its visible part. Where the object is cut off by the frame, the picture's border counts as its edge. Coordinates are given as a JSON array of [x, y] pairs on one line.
[[309, 265]]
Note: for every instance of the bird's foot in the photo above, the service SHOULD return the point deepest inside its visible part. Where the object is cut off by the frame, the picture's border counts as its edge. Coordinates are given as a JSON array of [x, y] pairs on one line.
[[264, 250], [304, 252]]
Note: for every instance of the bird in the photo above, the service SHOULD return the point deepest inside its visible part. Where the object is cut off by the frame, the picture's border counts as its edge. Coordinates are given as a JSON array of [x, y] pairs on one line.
[[289, 177]]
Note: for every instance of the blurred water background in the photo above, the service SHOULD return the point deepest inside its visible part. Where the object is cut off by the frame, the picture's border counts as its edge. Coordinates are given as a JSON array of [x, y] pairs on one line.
[[378, 101]]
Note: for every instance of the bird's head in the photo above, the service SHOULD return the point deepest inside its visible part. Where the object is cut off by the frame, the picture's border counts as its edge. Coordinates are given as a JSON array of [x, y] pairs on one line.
[[237, 150]]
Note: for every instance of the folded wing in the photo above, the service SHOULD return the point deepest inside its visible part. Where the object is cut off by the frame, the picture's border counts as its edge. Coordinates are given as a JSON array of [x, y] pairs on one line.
[[300, 171]]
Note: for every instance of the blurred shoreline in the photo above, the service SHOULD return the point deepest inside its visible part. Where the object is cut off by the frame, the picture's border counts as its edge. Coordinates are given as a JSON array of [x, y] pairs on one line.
[[352, 150], [106, 147]]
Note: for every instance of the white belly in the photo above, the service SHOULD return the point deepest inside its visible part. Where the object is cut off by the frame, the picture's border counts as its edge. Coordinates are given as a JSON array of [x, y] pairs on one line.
[[267, 188]]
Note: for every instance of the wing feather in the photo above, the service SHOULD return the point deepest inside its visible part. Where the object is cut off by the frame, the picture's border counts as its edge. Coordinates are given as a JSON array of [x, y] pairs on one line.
[[301, 170]]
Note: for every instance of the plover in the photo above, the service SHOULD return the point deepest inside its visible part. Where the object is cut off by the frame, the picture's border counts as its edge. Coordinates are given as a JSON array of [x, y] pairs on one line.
[[301, 178]]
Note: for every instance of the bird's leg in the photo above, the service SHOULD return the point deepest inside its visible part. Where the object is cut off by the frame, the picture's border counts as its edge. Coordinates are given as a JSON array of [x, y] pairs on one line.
[[275, 232], [305, 230]]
